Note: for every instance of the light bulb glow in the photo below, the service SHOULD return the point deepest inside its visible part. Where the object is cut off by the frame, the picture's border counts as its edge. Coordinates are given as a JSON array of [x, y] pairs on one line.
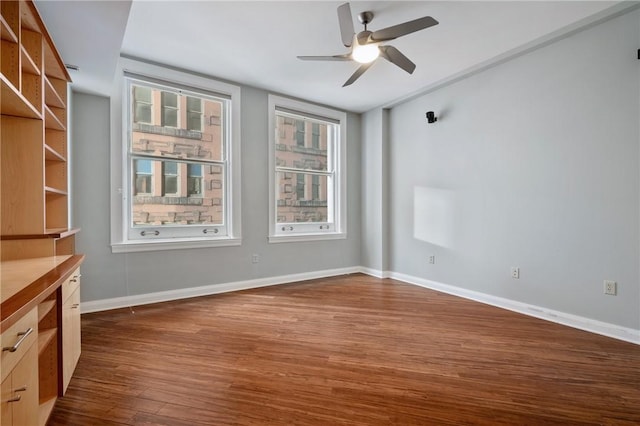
[[365, 53]]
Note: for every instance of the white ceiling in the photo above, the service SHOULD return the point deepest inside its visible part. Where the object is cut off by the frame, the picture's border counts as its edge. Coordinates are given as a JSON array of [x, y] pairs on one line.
[[256, 43]]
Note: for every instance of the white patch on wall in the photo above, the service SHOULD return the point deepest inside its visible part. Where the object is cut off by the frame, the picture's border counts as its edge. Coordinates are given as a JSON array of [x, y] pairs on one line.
[[433, 211]]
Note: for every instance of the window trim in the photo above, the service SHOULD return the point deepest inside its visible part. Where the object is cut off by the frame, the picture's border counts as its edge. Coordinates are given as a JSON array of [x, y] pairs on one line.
[[338, 230], [120, 242]]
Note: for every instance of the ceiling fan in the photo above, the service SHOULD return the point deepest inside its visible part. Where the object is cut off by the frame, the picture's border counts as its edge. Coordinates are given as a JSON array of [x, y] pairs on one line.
[[365, 47]]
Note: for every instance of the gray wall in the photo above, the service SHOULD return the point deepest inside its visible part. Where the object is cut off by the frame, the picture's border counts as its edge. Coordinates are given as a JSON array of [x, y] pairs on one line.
[[533, 163], [107, 275], [375, 184]]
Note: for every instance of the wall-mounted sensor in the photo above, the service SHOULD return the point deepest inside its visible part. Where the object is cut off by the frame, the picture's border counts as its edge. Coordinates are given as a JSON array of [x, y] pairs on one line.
[[431, 117]]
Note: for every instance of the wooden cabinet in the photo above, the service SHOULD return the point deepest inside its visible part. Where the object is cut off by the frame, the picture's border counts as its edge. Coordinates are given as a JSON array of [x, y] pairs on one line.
[[37, 245], [70, 326], [19, 367], [32, 299]]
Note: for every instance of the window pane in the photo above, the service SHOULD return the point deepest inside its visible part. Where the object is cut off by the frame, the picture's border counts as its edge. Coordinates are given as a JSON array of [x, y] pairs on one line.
[[194, 121], [177, 193], [302, 197], [169, 99], [142, 94], [195, 136], [194, 104], [289, 152]]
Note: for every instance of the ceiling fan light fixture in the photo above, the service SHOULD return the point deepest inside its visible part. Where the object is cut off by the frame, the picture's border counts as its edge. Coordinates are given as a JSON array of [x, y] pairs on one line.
[[365, 53]]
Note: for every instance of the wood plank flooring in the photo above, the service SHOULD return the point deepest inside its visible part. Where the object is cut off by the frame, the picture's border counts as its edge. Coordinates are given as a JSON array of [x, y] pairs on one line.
[[350, 350]]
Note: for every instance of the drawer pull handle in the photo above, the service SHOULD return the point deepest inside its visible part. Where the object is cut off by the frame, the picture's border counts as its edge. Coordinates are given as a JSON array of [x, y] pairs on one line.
[[75, 306], [23, 335], [74, 279], [21, 389], [15, 398]]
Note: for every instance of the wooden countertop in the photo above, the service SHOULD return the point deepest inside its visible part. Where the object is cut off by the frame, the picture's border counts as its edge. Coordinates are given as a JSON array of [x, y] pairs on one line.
[[27, 282]]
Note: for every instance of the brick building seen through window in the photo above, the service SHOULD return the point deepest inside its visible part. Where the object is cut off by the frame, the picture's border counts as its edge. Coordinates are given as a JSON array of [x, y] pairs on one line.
[[301, 150], [178, 159]]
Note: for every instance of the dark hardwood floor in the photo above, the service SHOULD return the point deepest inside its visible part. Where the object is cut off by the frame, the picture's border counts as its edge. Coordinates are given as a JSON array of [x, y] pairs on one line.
[[351, 350]]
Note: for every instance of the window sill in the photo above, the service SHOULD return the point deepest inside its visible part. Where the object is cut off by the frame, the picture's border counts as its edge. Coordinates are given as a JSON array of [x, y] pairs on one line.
[[307, 237], [172, 244]]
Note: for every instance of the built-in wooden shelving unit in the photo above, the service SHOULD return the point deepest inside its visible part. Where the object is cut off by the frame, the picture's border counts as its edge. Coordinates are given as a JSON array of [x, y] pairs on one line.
[[37, 244]]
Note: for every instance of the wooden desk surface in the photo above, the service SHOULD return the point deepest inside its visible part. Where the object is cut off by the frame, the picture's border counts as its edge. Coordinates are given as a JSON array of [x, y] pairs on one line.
[[25, 283], [16, 275]]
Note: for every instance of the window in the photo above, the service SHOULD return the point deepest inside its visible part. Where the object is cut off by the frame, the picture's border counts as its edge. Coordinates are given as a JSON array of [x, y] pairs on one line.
[[300, 187], [142, 106], [182, 175], [315, 135], [194, 114], [194, 180], [169, 178], [315, 187], [315, 208], [300, 132], [169, 109], [142, 177]]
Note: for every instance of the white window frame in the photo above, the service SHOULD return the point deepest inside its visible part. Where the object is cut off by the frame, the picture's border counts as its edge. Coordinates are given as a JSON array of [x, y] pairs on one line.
[[121, 242], [336, 226]]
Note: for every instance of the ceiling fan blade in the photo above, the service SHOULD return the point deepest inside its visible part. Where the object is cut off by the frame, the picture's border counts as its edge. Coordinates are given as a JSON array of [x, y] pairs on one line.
[[345, 57], [399, 30], [361, 69], [345, 20], [394, 56]]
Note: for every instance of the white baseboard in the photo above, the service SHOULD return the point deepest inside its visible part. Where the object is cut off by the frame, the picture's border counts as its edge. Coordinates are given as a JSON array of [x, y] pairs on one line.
[[375, 272], [575, 321], [594, 326], [185, 293]]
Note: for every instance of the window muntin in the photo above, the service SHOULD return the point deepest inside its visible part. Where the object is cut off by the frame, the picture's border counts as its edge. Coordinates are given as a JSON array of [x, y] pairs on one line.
[[307, 183], [183, 171]]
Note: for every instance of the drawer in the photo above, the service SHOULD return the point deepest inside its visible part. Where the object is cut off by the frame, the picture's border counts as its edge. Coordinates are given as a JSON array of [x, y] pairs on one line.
[[70, 285], [14, 335]]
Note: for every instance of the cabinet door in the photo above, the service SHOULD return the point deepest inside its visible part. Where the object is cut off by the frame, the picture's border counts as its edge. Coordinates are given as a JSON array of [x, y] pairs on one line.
[[20, 392], [24, 381], [6, 417], [70, 336]]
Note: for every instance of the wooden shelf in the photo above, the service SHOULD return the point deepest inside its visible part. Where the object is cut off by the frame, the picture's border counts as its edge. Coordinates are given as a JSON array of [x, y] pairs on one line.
[[51, 121], [6, 32], [53, 191], [61, 232], [52, 155], [44, 308], [45, 410], [45, 337], [28, 64], [51, 96], [14, 103]]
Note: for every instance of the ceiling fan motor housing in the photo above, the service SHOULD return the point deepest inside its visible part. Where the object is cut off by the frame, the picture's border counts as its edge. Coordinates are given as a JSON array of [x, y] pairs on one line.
[[365, 17]]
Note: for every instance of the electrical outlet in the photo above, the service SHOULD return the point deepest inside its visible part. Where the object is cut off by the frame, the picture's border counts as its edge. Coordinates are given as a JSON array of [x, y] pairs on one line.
[[515, 272], [255, 258], [610, 287], [432, 259]]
